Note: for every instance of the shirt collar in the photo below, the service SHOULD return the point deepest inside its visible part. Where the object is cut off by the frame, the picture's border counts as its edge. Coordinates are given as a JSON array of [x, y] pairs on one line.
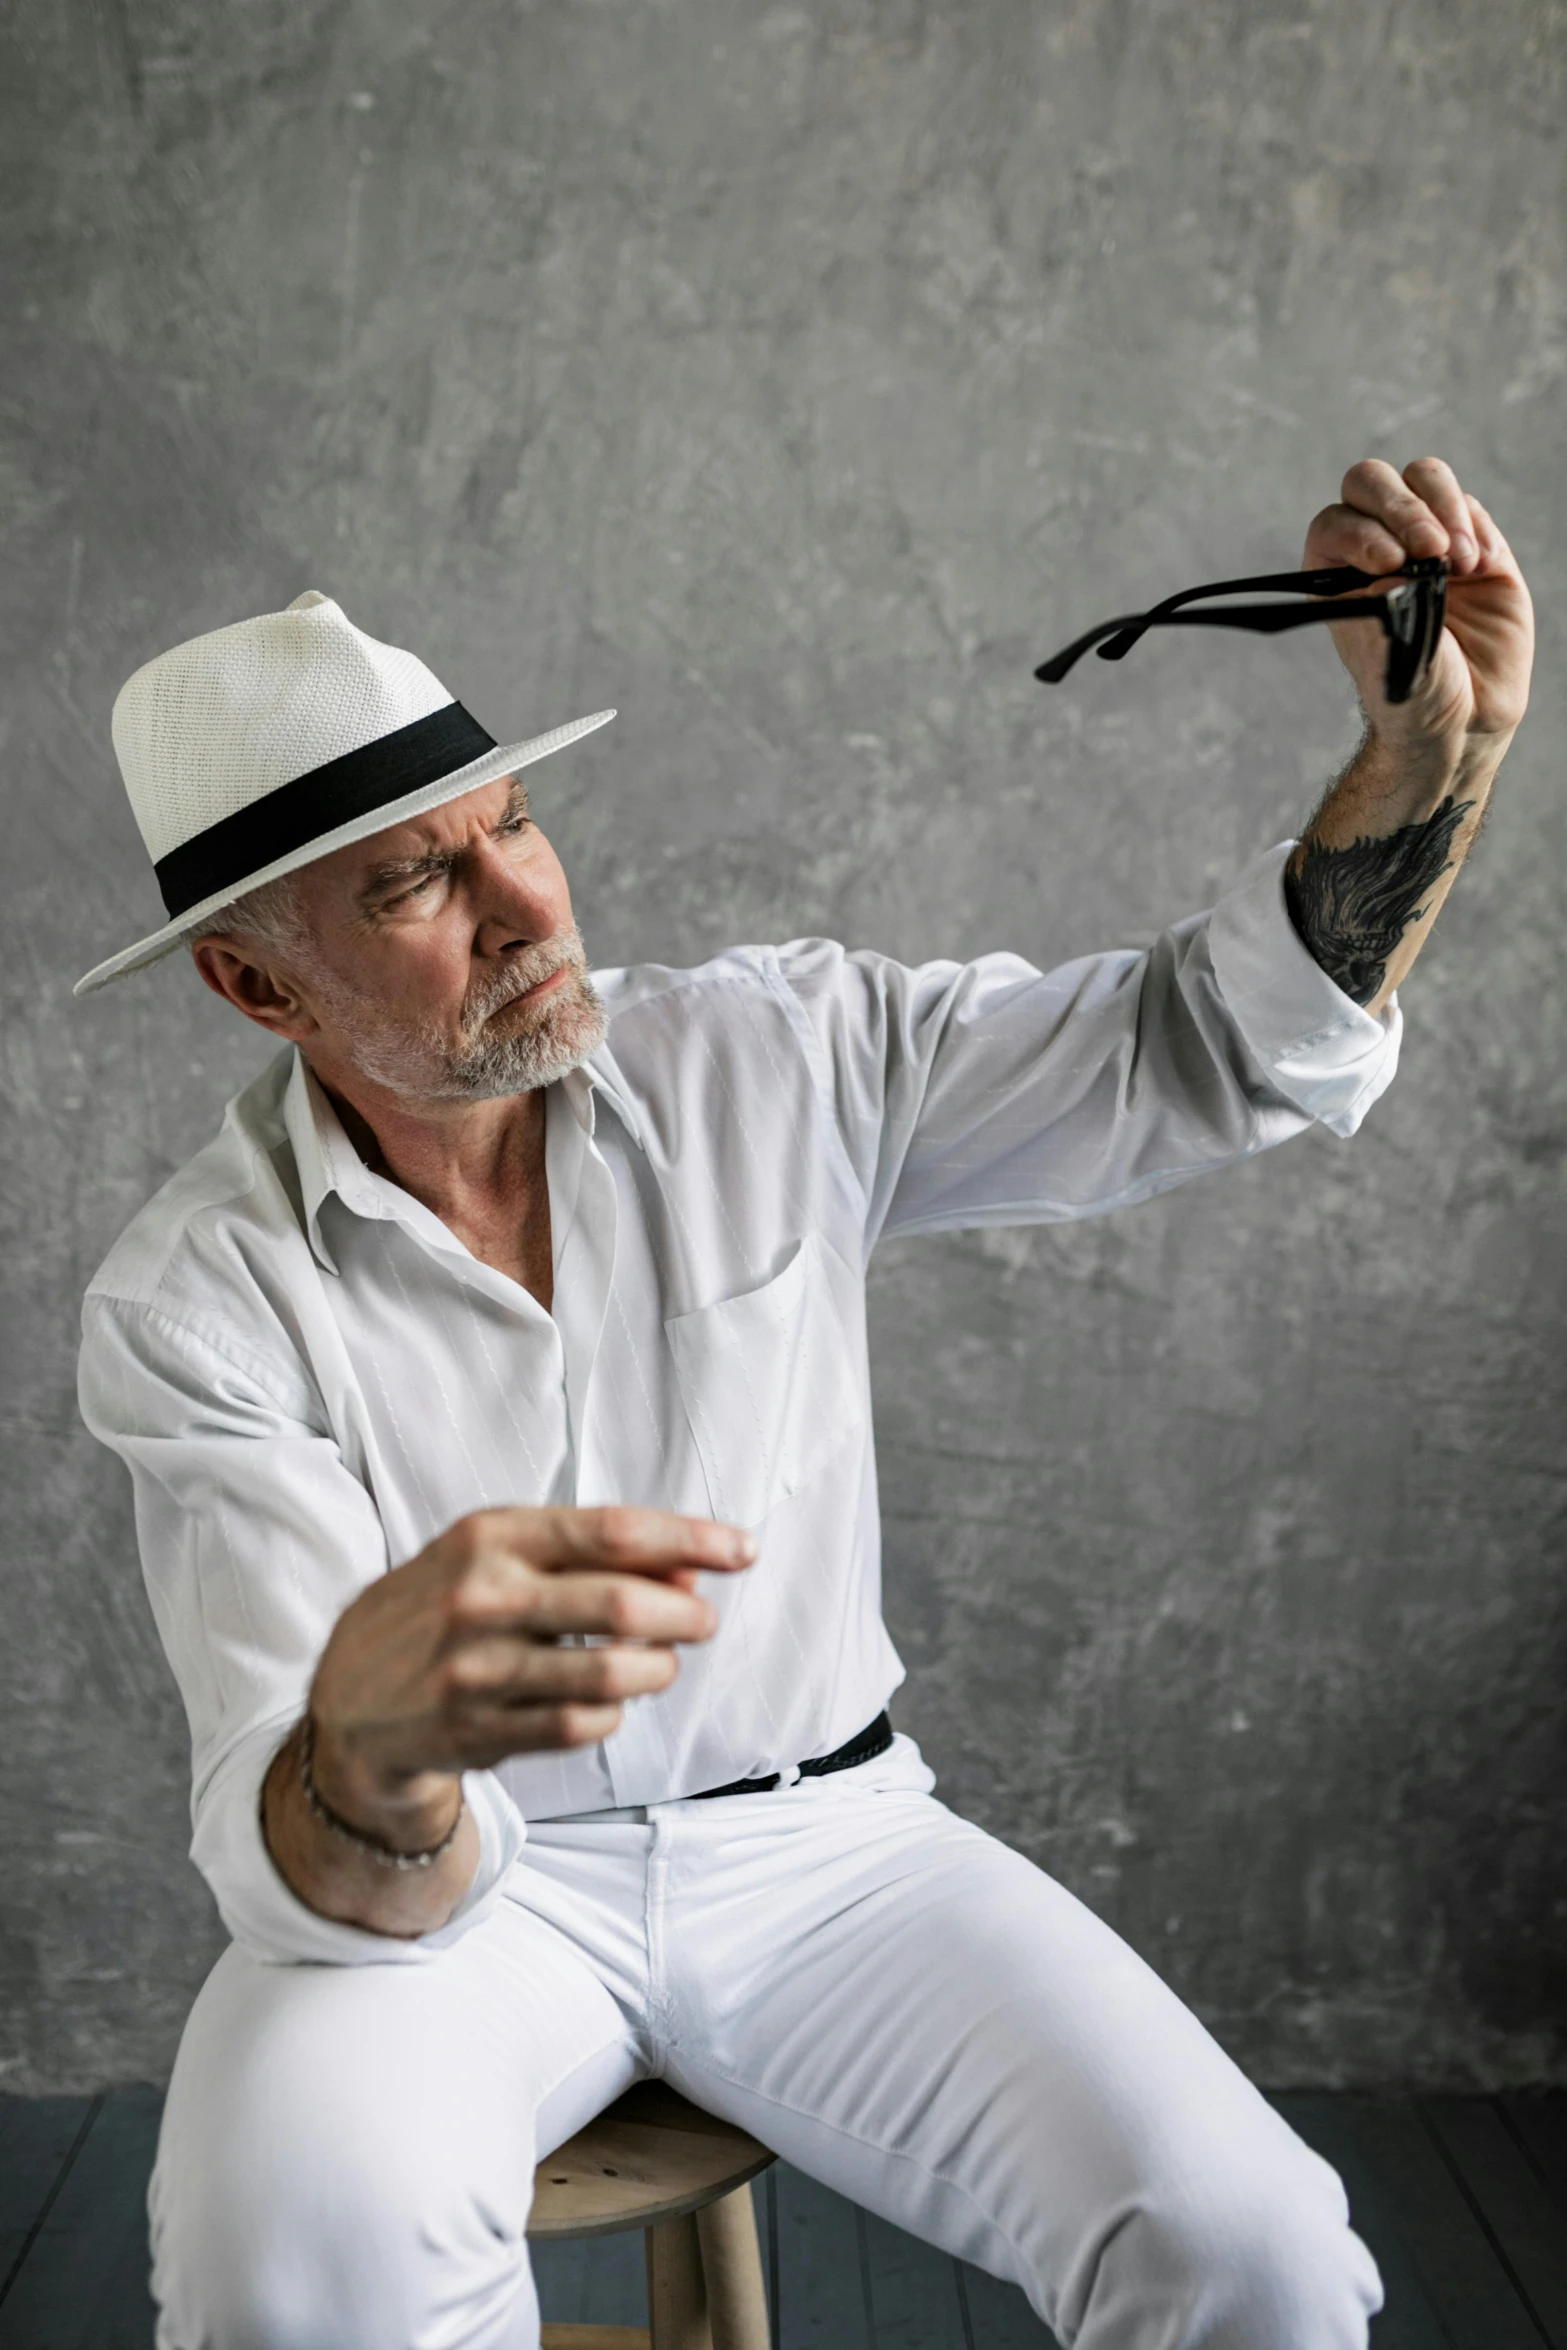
[[603, 1077], [327, 1161]]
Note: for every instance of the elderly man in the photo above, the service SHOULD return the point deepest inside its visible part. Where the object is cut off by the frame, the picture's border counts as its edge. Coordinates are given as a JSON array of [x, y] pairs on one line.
[[508, 1345]]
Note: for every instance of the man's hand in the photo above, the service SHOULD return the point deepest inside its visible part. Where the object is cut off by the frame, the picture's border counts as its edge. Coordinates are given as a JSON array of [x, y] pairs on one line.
[[455, 1661], [1380, 854], [1478, 684]]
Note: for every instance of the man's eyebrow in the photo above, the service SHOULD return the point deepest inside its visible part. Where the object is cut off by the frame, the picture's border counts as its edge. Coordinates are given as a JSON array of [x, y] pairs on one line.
[[383, 877]]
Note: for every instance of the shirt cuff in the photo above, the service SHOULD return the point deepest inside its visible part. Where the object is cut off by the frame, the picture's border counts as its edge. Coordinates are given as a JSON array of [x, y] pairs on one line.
[[1317, 1046], [266, 1916]]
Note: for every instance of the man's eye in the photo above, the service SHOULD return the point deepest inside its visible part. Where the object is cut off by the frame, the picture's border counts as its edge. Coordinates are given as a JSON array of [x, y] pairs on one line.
[[516, 824]]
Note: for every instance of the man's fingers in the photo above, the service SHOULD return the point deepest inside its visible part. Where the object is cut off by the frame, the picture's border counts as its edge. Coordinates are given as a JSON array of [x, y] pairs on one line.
[[1487, 537], [1384, 517], [1373, 488], [1495, 553], [488, 1737], [635, 1541], [1436, 484], [512, 1598], [518, 1672], [1343, 534]]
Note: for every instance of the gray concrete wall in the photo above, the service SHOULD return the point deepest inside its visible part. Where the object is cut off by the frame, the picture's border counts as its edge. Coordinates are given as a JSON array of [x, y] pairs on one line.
[[794, 377]]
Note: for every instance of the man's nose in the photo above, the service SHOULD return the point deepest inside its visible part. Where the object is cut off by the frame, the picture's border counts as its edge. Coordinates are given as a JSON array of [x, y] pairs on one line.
[[516, 909]]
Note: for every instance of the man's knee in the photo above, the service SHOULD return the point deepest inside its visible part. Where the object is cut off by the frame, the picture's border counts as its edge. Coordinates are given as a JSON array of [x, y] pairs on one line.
[[262, 2245], [1234, 2252], [312, 2170]]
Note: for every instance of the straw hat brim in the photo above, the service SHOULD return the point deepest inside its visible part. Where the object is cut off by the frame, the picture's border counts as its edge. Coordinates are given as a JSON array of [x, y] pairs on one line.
[[505, 759]]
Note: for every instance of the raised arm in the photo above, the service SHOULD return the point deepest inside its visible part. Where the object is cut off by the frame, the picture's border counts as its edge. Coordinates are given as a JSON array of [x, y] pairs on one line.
[[1381, 852]]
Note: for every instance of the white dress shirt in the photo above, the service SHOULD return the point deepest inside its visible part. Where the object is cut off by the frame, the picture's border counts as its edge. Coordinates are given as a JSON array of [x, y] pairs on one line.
[[309, 1376]]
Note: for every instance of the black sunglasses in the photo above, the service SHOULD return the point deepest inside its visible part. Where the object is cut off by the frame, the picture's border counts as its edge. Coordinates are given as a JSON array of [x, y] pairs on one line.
[[1411, 613]]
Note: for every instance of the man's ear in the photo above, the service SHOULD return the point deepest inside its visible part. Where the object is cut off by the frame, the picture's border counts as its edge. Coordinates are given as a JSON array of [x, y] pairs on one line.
[[260, 989]]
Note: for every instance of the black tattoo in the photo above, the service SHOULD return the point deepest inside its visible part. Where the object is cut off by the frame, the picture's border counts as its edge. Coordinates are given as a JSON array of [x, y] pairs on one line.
[[1353, 905]]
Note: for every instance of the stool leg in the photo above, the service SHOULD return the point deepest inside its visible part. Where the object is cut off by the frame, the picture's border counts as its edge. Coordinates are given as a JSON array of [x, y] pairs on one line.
[[732, 2267], [676, 2293]]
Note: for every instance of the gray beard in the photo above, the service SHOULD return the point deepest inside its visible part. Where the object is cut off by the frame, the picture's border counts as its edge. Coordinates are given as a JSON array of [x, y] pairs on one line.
[[420, 1059]]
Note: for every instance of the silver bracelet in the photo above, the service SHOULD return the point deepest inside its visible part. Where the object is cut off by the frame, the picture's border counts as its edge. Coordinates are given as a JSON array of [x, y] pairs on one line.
[[378, 1850]]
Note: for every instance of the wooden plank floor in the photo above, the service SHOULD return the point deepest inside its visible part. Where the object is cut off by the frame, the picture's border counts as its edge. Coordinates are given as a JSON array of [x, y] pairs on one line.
[[1463, 2200]]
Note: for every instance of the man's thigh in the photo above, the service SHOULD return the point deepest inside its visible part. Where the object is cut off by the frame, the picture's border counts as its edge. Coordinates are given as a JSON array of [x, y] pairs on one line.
[[347, 2151], [915, 2014]]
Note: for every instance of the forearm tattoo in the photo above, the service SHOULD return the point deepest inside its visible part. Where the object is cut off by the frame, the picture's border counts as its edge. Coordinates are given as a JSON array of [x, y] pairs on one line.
[[1353, 905]]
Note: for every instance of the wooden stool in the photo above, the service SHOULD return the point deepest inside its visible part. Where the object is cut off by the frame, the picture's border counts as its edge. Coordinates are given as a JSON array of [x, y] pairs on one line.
[[655, 2162]]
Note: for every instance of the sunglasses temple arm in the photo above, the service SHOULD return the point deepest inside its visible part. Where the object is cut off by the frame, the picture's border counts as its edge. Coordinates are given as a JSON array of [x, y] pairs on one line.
[[1409, 652], [1261, 619], [1052, 671], [1337, 581], [1273, 619]]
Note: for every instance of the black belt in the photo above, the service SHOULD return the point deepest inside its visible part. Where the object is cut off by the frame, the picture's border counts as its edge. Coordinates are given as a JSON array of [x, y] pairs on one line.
[[864, 1746]]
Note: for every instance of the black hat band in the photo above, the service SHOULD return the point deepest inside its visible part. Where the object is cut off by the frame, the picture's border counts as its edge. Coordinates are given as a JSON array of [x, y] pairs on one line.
[[314, 804]]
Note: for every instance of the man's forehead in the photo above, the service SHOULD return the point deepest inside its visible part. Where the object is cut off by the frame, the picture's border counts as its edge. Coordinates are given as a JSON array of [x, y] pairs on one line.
[[436, 829]]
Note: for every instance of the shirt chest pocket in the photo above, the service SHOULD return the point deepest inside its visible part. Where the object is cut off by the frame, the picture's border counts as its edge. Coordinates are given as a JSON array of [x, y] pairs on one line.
[[771, 1385]]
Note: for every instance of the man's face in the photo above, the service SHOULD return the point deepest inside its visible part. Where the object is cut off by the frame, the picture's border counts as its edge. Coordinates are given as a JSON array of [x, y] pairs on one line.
[[444, 962]]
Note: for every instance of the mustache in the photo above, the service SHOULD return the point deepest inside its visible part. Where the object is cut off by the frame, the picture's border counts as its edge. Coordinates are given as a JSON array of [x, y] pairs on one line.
[[525, 969]]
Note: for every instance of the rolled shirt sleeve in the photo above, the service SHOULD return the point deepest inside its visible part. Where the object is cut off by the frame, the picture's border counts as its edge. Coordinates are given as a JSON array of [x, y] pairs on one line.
[[1315, 1045], [254, 1537], [995, 1093]]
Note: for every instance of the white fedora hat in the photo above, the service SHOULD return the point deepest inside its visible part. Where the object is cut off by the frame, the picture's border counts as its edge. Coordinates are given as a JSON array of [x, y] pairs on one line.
[[254, 750]]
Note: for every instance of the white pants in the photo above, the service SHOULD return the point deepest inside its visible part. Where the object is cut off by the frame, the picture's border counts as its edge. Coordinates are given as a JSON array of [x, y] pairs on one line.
[[895, 2002]]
